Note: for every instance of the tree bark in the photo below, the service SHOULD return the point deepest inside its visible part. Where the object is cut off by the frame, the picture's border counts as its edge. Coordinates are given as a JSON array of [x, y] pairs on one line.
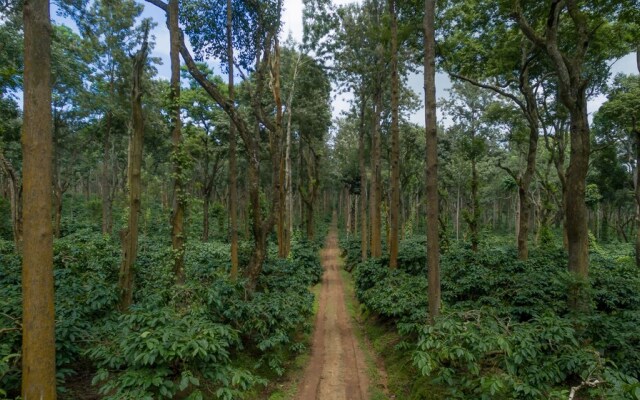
[[38, 318], [233, 174], [431, 137], [375, 195], [15, 200], [288, 172], [259, 226], [105, 178], [249, 137], [134, 167], [59, 190], [572, 87], [637, 188], [530, 109], [59, 187], [206, 200], [474, 216], [276, 144], [394, 209], [364, 235], [636, 134], [179, 194], [309, 194]]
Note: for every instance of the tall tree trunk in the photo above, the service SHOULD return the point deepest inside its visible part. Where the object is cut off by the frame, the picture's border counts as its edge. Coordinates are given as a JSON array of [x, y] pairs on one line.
[[458, 206], [517, 215], [58, 193], [375, 195], [309, 221], [431, 137], [530, 107], [277, 155], [288, 172], [309, 192], [206, 200], [179, 194], [475, 202], [364, 235], [207, 183], [636, 133], [134, 167], [233, 174], [58, 186], [248, 137], [15, 200], [575, 207], [38, 318], [572, 87], [259, 227], [394, 208], [637, 188], [105, 178]]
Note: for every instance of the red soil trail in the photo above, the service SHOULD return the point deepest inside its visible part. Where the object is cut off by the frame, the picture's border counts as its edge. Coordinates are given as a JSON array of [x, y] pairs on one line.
[[337, 369]]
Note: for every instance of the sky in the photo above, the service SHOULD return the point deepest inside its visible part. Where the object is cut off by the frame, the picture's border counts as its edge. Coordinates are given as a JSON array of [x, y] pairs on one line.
[[292, 18]]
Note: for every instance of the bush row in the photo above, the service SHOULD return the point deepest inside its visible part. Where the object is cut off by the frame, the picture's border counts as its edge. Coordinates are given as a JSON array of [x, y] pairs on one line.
[[208, 338], [506, 331]]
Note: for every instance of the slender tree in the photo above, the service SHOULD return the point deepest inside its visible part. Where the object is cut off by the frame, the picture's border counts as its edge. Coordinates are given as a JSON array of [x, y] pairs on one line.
[[568, 55], [394, 209], [38, 318], [233, 174], [14, 186], [260, 39], [179, 195], [134, 168], [375, 196], [364, 234], [288, 172], [431, 135]]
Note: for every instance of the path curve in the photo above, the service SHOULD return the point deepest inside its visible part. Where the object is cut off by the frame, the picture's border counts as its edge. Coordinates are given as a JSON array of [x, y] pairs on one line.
[[337, 368]]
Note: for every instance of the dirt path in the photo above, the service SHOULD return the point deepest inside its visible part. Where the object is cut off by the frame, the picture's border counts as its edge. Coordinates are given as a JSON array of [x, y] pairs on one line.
[[337, 368]]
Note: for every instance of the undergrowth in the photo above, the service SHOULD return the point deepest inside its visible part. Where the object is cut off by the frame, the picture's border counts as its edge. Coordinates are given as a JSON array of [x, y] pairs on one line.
[[505, 331], [208, 338]]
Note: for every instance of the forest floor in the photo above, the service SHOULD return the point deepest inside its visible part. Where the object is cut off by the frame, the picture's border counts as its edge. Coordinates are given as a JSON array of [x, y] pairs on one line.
[[339, 367]]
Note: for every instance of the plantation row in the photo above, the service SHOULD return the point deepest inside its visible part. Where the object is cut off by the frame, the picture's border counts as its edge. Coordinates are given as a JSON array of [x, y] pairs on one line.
[[208, 338], [506, 331]]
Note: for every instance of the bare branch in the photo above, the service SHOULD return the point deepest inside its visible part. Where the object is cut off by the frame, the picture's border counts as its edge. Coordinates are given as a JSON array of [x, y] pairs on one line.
[[588, 383], [493, 88]]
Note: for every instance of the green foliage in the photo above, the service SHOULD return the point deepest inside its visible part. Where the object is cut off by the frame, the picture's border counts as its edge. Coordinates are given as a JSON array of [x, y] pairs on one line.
[[10, 314], [158, 353], [180, 341], [6, 232], [195, 330], [482, 355], [85, 271], [350, 246], [506, 332], [402, 297]]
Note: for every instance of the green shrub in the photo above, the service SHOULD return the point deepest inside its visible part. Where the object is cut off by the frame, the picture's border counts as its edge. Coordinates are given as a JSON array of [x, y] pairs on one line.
[[351, 252], [523, 304], [478, 354], [398, 296], [151, 353], [10, 315]]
